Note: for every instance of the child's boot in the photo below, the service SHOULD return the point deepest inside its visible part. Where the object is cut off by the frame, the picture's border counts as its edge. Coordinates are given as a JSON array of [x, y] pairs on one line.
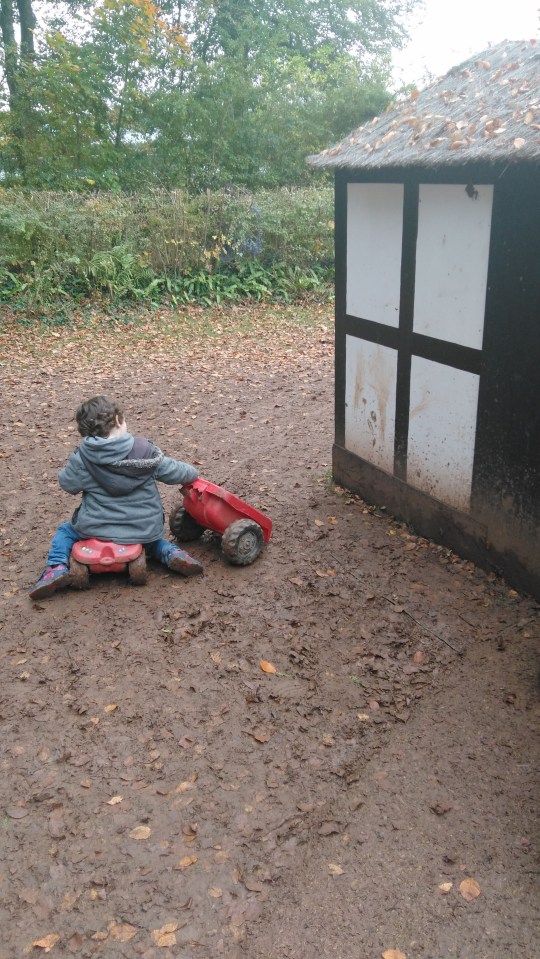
[[51, 579], [181, 562]]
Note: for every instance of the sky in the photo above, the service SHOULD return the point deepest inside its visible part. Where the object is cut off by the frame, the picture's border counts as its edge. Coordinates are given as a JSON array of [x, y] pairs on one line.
[[446, 32]]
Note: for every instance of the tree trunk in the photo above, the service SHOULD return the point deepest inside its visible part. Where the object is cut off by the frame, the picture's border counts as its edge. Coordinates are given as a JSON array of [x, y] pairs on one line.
[[15, 58], [27, 22], [119, 122], [10, 47]]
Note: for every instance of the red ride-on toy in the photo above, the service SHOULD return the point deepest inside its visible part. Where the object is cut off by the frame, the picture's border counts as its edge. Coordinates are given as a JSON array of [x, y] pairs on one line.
[[96, 556], [243, 528]]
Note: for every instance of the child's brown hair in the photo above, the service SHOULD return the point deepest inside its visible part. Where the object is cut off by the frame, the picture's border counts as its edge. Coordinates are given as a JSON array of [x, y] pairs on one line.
[[97, 417]]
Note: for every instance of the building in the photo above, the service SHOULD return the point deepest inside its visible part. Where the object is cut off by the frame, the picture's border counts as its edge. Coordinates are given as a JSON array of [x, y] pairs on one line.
[[438, 310]]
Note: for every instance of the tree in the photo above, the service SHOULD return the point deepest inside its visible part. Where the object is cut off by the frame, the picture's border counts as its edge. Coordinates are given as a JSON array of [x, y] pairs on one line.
[[87, 86], [270, 82], [114, 95], [18, 61]]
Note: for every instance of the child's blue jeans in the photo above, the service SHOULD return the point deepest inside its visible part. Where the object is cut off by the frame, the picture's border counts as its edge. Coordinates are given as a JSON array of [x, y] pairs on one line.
[[66, 535]]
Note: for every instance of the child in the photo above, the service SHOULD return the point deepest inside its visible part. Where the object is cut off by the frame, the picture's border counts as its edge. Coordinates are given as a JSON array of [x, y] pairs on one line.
[[116, 473]]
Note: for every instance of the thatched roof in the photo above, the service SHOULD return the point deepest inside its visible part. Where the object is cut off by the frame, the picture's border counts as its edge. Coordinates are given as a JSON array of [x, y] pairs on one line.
[[484, 110]]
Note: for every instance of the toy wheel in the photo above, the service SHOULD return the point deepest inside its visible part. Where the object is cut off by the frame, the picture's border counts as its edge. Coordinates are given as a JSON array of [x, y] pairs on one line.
[[242, 542], [137, 570], [183, 527], [80, 574]]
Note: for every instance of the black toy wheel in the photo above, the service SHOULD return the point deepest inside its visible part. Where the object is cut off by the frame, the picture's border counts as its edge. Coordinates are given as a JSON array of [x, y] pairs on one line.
[[80, 574], [242, 542], [183, 527], [137, 570]]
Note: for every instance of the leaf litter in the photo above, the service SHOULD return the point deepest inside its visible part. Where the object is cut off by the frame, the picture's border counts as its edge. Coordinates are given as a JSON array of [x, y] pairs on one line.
[[162, 724]]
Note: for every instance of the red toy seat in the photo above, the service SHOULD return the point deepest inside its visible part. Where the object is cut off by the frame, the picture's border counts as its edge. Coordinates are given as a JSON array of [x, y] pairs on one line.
[[103, 557]]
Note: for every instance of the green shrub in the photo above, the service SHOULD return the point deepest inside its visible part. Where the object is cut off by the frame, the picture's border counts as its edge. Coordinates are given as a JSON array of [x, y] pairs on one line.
[[211, 247], [120, 273]]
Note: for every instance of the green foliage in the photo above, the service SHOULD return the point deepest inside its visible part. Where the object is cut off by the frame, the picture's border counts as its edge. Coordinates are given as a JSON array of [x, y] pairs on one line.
[[251, 281], [12, 286], [111, 95], [206, 248], [120, 272]]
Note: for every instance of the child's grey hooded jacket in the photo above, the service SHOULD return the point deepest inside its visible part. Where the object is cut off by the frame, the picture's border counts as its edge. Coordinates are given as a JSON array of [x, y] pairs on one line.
[[117, 477]]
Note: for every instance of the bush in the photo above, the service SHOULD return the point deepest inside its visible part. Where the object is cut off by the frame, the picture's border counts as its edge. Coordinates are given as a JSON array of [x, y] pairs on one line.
[[209, 247]]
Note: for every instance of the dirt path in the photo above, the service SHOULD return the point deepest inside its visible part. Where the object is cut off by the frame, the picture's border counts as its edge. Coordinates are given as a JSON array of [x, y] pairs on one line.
[[161, 795]]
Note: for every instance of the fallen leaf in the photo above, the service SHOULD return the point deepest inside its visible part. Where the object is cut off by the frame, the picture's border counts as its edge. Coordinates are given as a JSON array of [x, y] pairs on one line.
[[75, 942], [329, 828], [335, 870], [100, 935], [166, 935], [469, 889], [122, 931], [261, 735], [267, 667], [17, 812], [446, 886], [318, 522], [47, 942], [296, 581], [185, 786], [440, 808], [253, 885], [215, 892], [69, 900], [393, 954], [114, 801], [140, 832], [110, 708], [187, 861]]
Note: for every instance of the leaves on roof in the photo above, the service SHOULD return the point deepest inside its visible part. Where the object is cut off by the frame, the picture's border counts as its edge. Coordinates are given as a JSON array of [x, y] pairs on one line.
[[485, 109]]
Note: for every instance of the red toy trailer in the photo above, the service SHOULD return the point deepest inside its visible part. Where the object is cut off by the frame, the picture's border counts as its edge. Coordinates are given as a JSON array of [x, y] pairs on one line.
[[243, 528]]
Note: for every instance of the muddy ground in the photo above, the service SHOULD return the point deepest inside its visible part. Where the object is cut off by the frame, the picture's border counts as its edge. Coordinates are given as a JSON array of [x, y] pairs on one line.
[[161, 794]]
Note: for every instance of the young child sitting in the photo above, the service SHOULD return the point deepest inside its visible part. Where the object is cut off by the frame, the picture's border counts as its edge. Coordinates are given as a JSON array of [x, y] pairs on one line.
[[116, 473]]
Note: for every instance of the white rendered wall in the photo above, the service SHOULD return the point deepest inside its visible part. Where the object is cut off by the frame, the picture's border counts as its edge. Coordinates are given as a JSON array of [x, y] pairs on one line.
[[374, 230], [442, 426], [370, 401], [452, 254]]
